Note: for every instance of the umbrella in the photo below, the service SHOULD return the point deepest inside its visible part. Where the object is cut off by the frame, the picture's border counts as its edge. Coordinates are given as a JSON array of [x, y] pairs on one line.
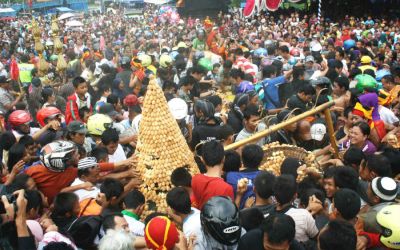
[[74, 23], [65, 16]]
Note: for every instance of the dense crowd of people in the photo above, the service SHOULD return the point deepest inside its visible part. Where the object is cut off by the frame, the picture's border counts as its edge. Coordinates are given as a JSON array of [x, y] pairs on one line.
[[68, 137]]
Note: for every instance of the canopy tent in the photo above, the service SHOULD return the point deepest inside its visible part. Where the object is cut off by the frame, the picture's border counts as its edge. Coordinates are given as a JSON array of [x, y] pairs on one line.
[[157, 2], [63, 9], [7, 12], [74, 23], [66, 16]]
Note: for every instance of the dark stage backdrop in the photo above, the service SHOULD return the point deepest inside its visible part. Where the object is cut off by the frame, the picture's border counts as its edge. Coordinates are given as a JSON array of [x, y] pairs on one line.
[[202, 8]]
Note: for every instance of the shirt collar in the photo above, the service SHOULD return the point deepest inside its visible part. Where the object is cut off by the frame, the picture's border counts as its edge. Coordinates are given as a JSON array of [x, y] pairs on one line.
[[130, 214]]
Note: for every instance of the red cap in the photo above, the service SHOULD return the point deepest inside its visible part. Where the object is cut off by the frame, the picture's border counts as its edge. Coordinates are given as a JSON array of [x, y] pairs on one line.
[[161, 234], [131, 100]]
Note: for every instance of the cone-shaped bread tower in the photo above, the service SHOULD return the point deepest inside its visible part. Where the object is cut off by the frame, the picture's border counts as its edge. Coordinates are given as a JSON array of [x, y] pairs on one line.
[[161, 149]]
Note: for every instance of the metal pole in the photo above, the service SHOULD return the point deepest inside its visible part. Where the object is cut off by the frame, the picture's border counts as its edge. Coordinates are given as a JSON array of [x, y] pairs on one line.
[[319, 10], [331, 131], [281, 125]]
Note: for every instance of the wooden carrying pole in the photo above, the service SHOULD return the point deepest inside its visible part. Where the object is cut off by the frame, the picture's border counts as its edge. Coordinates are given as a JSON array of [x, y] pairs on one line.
[[324, 107]]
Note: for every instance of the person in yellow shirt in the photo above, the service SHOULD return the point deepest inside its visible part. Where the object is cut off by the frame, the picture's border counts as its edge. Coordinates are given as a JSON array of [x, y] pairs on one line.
[[366, 64], [390, 86], [25, 69]]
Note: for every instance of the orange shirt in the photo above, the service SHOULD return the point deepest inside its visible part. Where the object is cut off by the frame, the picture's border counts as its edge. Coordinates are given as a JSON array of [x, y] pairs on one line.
[[50, 183]]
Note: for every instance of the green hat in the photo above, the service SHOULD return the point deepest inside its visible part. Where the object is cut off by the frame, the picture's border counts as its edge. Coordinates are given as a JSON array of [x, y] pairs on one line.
[[365, 81], [53, 58]]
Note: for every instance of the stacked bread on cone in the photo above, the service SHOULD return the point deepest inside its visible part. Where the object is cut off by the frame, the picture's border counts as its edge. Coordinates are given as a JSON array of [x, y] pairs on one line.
[[161, 149]]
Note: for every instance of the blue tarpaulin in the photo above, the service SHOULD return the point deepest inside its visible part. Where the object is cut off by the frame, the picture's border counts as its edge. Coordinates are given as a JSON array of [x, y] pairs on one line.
[[7, 12]]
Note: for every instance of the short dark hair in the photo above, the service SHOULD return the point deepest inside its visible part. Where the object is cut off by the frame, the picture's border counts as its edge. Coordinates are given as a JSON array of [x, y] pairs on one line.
[[251, 218], [389, 78], [239, 52], [235, 73], [285, 188], [181, 177], [78, 81], [251, 110], [252, 155], [212, 153], [112, 188], [279, 228], [364, 127], [339, 234], [307, 89], [307, 193], [353, 155], [134, 199], [109, 135], [178, 199], [232, 161], [342, 82], [109, 222], [379, 164], [264, 184], [113, 99], [330, 172], [104, 88], [225, 131], [64, 203], [347, 202], [99, 153], [346, 177], [34, 199], [284, 49], [268, 71]]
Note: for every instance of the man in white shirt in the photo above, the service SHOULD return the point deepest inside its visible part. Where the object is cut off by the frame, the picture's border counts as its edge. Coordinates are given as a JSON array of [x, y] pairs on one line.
[[110, 139], [181, 212], [134, 203], [85, 185]]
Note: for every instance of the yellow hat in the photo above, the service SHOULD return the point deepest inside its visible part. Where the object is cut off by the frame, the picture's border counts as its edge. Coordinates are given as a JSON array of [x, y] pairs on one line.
[[366, 60]]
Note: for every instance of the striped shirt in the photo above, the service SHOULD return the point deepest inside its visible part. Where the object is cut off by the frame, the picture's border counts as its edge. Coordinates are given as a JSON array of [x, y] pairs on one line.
[[5, 99], [246, 66]]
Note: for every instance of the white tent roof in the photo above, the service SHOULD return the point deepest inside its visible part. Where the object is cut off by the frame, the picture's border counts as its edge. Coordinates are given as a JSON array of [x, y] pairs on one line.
[[6, 10], [158, 2]]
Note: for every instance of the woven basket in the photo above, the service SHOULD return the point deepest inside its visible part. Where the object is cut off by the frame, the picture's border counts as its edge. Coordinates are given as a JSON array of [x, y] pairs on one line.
[[275, 154]]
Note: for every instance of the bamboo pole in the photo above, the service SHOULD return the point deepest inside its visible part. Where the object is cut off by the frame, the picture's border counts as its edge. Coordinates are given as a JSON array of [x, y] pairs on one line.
[[281, 125], [331, 132]]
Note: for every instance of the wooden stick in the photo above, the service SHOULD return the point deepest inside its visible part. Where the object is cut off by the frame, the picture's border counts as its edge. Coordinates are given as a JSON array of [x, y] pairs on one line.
[[331, 132], [281, 125]]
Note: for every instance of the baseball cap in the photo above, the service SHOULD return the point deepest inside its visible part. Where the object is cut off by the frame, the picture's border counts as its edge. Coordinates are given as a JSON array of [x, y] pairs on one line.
[[108, 109], [77, 127], [385, 188], [309, 59], [318, 131], [366, 59], [87, 162], [131, 100]]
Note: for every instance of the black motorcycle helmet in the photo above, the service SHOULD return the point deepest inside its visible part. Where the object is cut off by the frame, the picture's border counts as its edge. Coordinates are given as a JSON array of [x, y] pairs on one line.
[[220, 219]]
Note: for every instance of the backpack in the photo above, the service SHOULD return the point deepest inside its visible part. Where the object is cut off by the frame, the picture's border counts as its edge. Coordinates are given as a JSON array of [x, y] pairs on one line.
[[84, 231]]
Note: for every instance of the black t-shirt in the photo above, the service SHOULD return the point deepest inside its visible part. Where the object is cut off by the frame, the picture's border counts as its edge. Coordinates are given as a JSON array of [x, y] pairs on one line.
[[204, 132], [254, 240], [235, 120], [296, 102]]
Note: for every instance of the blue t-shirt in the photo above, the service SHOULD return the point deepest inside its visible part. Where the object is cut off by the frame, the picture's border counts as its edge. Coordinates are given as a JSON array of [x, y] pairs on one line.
[[232, 179], [244, 87], [271, 98]]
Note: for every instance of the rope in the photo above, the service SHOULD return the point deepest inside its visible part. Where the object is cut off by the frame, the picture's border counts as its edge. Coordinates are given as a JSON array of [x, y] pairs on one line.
[[319, 10]]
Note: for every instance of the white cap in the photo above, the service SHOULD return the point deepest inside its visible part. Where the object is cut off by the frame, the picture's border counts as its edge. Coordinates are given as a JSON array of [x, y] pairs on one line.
[[178, 108], [318, 131]]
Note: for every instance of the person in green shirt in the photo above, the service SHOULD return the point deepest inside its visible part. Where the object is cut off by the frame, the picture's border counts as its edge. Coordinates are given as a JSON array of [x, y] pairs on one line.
[[134, 203], [199, 43]]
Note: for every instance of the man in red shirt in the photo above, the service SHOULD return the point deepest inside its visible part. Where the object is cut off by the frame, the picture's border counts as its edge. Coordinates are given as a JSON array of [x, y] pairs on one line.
[[210, 184]]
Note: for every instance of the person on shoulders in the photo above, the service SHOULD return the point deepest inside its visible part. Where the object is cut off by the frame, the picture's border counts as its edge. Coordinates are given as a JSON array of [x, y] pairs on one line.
[[81, 98]]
